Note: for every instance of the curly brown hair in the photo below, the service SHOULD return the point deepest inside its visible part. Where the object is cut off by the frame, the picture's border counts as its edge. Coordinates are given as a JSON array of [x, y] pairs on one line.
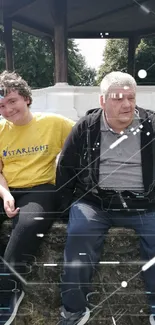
[[12, 81]]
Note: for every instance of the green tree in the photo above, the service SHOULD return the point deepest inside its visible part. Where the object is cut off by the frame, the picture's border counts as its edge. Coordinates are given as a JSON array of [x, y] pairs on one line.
[[78, 72], [33, 59], [115, 58], [145, 59]]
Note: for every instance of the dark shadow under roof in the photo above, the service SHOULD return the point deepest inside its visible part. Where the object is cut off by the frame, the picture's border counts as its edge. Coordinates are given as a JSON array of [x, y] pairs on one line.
[[86, 18]]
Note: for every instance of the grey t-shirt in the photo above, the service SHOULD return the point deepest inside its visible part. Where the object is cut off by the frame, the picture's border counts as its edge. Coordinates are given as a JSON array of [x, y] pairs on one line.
[[120, 164]]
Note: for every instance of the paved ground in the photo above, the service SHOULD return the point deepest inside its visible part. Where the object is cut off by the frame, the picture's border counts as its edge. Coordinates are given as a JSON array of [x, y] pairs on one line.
[[112, 303]]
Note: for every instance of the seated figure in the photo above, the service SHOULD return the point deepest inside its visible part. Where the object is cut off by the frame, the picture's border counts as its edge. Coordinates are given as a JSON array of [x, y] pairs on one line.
[[106, 178]]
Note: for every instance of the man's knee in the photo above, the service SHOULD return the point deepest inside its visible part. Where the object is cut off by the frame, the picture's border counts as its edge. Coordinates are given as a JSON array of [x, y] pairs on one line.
[[81, 228], [81, 219]]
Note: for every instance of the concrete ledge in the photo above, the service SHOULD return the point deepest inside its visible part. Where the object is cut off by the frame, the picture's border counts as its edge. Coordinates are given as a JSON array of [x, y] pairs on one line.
[[73, 102]]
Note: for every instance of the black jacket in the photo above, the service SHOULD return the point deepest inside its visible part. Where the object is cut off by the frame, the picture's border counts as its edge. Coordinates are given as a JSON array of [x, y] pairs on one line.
[[78, 165]]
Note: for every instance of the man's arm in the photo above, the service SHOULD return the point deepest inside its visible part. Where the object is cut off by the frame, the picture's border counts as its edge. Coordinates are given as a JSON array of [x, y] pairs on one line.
[[151, 116], [66, 171], [67, 125], [4, 190], [8, 200]]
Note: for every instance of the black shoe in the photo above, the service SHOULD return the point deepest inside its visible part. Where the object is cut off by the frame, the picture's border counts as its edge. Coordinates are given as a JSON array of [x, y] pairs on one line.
[[8, 312]]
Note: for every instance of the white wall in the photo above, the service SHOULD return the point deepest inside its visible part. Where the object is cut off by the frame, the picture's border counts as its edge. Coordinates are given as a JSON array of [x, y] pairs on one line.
[[73, 102]]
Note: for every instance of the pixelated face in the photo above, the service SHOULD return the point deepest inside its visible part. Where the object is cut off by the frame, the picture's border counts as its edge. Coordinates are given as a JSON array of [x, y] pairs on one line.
[[13, 107], [119, 104]]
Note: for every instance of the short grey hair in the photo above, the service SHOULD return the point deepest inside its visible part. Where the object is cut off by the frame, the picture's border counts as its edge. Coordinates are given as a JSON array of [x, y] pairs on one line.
[[116, 79]]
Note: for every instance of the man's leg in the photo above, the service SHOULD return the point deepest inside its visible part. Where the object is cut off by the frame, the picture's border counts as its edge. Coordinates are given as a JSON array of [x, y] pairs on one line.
[[146, 230], [144, 225], [3, 217], [86, 230], [35, 217]]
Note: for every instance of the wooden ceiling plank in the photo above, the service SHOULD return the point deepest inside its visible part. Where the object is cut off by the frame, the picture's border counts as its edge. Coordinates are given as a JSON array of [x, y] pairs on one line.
[[16, 7], [106, 14]]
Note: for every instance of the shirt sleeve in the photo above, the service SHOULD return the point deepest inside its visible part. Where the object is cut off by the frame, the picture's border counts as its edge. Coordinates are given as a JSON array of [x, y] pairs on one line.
[[1, 127], [67, 125]]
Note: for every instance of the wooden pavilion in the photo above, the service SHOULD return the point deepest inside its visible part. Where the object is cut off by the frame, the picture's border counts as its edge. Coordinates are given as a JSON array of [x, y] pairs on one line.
[[58, 20]]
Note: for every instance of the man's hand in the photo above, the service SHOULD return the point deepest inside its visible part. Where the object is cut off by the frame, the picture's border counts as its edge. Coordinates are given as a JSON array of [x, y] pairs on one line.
[[9, 205]]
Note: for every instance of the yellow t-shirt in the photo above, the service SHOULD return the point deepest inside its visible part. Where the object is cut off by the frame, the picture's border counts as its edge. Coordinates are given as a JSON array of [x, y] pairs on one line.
[[29, 152]]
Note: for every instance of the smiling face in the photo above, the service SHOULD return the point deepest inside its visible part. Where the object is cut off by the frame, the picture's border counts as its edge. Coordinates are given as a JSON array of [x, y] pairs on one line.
[[14, 108], [119, 107]]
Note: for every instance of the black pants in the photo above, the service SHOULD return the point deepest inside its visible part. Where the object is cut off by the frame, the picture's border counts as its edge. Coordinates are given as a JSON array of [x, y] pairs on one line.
[[34, 219]]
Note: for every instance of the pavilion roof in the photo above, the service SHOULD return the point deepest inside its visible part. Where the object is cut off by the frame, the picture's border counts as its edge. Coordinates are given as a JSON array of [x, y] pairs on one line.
[[86, 18]]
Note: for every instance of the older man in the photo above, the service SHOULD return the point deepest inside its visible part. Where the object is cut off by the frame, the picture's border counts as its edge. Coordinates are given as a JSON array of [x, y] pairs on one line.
[[106, 175]]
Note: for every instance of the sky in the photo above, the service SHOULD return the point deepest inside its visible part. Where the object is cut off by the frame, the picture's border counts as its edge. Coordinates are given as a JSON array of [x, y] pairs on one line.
[[92, 49]]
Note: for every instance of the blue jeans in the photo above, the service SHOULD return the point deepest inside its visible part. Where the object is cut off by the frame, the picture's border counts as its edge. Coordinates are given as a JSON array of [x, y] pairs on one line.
[[88, 225]]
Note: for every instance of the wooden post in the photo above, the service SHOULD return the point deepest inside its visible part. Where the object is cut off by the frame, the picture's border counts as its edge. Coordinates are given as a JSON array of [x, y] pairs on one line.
[[133, 41], [60, 40], [1, 36], [50, 41], [8, 44]]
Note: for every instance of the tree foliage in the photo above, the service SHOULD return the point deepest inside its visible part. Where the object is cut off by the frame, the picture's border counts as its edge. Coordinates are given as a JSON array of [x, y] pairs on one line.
[[115, 57], [145, 59], [78, 72], [33, 59]]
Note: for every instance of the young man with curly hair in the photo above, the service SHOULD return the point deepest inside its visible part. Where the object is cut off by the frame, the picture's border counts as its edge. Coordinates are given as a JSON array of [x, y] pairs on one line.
[[29, 145]]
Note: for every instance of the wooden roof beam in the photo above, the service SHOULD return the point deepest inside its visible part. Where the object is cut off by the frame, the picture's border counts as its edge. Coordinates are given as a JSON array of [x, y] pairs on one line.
[[100, 35], [16, 7], [28, 23], [104, 34], [106, 14]]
